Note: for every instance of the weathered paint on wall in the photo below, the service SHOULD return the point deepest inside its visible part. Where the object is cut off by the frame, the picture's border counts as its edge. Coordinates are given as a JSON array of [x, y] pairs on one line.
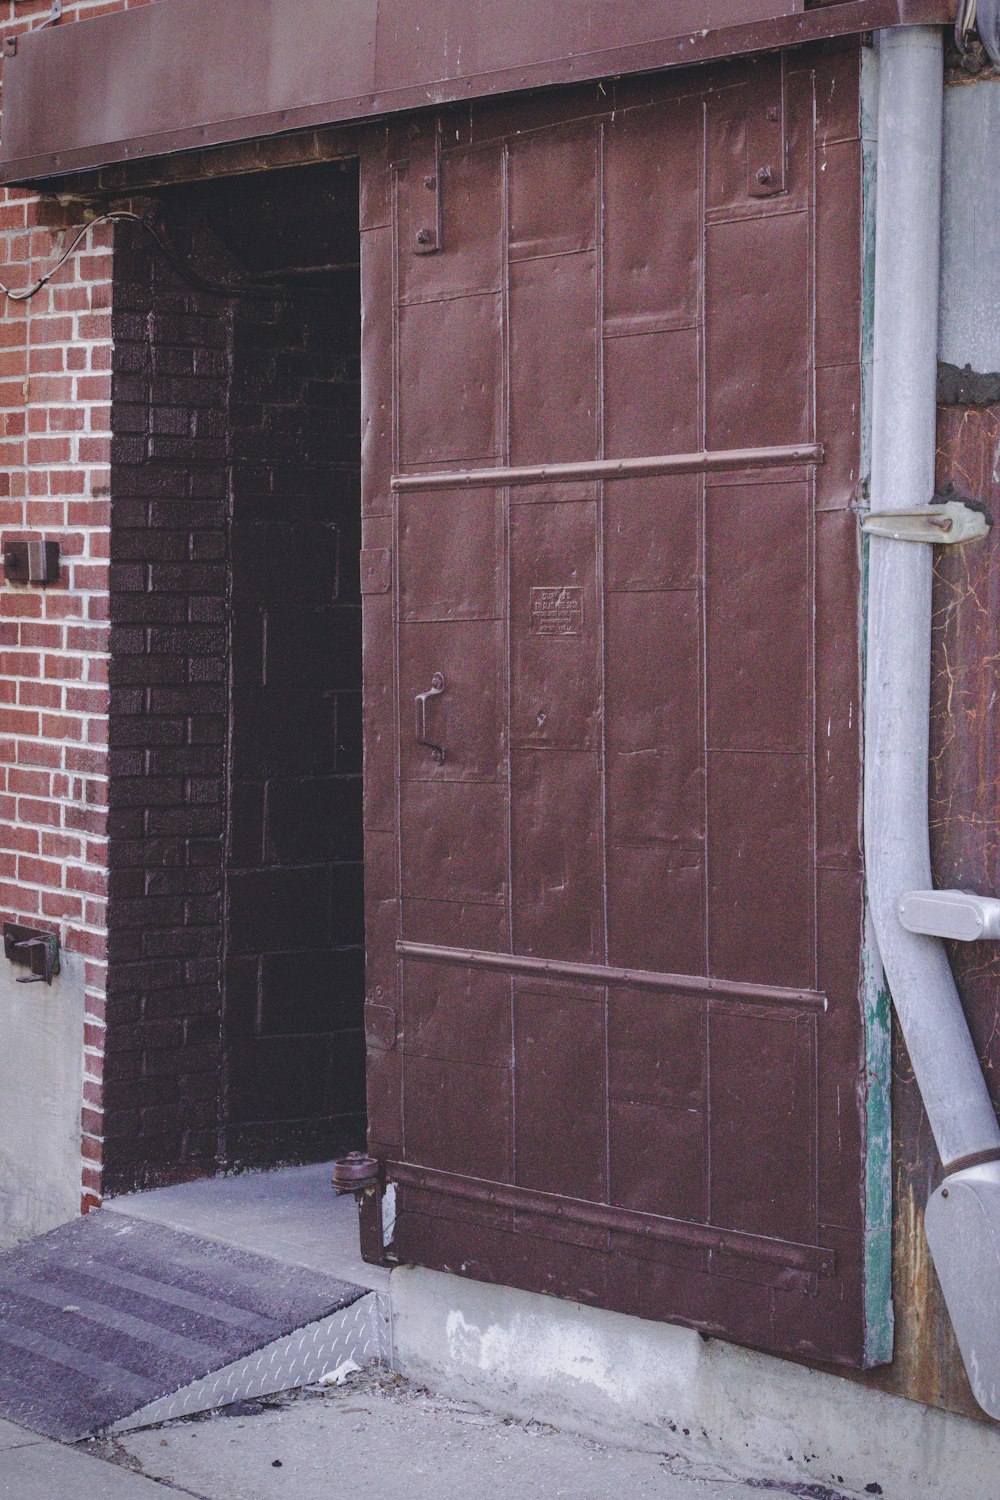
[[965, 817], [965, 733], [874, 991], [878, 1180], [965, 838]]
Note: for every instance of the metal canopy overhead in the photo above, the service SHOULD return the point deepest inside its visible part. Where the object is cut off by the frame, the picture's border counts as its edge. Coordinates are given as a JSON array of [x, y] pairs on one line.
[[183, 74]]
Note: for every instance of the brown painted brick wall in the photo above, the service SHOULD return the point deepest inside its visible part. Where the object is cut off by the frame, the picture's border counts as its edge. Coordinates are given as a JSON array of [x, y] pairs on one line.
[[236, 945], [169, 648], [295, 972]]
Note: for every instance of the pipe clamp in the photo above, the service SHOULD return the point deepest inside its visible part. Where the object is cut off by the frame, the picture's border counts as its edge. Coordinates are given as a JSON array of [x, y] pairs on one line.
[[946, 524]]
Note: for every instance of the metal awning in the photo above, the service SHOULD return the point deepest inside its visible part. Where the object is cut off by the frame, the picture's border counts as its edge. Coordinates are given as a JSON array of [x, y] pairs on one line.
[[184, 74]]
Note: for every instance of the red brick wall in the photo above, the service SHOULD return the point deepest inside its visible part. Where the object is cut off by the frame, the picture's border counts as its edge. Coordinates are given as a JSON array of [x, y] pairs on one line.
[[55, 388], [55, 479]]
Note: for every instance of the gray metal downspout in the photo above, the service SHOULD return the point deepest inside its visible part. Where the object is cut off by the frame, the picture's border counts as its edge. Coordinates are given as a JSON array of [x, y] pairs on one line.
[[963, 1217]]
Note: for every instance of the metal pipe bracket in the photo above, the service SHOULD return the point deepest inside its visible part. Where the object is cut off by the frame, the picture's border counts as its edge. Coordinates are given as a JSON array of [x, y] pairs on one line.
[[946, 523], [34, 948]]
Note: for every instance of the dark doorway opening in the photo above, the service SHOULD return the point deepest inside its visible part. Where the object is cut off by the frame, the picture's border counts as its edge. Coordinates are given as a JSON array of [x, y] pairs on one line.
[[236, 928]]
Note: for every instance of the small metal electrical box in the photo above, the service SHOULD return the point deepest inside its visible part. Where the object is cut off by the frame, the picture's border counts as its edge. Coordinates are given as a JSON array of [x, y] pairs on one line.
[[959, 915], [31, 562]]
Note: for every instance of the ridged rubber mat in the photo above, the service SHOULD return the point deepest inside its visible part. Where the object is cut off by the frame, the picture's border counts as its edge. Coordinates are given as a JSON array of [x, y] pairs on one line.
[[109, 1313]]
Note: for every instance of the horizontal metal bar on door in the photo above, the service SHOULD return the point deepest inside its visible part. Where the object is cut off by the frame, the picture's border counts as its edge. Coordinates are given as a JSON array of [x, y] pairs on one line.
[[815, 1258], [554, 968], [723, 461]]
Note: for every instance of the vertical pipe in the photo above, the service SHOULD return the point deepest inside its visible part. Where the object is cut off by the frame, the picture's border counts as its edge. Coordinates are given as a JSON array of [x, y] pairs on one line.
[[897, 838]]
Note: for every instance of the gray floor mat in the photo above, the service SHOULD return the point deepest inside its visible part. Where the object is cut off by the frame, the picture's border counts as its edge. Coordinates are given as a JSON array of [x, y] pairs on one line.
[[101, 1317]]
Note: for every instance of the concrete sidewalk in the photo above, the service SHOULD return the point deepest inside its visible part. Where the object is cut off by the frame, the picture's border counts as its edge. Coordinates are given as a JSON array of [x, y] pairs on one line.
[[34, 1468], [377, 1436]]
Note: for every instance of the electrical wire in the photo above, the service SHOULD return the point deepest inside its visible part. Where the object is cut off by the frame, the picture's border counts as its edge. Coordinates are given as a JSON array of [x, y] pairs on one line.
[[25, 293], [183, 269], [988, 26], [965, 21]]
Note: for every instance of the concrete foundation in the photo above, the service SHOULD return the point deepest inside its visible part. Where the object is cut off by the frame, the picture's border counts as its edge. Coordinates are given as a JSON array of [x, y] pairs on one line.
[[660, 1388], [712, 1407], [41, 1085]]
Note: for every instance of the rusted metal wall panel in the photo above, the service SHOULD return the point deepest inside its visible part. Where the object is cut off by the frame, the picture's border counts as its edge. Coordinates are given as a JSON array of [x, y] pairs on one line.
[[168, 77], [965, 837], [619, 923]]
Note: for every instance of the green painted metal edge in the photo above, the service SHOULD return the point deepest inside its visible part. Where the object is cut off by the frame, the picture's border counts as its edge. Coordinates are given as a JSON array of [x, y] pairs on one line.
[[875, 996], [878, 1157]]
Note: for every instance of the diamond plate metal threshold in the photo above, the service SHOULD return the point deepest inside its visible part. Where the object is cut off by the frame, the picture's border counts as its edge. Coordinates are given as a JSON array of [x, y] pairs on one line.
[[113, 1322], [358, 1332]]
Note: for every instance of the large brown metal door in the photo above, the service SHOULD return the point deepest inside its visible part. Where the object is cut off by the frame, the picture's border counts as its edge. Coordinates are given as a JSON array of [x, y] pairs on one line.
[[616, 1045]]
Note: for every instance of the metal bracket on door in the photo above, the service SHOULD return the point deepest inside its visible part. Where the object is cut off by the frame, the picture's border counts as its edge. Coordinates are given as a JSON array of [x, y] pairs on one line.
[[425, 190], [767, 145], [420, 721]]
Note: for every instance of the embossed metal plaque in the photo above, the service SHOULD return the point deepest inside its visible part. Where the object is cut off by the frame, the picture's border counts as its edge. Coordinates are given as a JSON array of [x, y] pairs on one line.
[[556, 611]]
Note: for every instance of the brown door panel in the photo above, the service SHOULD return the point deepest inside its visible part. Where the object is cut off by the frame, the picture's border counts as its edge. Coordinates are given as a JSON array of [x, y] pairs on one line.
[[451, 562], [613, 717], [453, 841], [560, 1049]]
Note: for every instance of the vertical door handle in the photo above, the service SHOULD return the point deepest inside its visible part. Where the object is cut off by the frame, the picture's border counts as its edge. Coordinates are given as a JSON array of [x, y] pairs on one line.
[[420, 722]]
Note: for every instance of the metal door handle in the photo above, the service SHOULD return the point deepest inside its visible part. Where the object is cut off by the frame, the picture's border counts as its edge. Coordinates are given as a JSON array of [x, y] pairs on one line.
[[420, 723]]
